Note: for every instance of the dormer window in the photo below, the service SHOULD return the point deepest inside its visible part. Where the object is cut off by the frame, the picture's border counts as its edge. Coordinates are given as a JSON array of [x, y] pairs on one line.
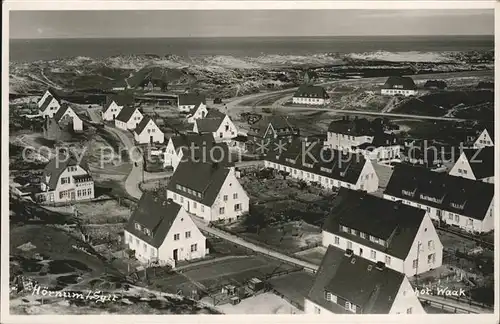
[[147, 232], [138, 226]]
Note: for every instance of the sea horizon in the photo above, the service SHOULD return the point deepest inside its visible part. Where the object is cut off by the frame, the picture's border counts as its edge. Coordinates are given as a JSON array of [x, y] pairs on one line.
[[29, 50]]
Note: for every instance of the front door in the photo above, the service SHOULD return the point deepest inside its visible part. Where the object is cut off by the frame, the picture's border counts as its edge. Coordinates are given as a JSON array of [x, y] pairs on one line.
[[151, 139], [176, 256], [72, 195]]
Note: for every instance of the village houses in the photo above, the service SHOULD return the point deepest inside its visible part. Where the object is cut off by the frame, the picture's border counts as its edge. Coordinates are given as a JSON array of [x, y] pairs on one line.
[[188, 101], [128, 118], [208, 190], [348, 284], [329, 168], [391, 234], [218, 124], [198, 112], [66, 179], [148, 132], [114, 105], [485, 138], [476, 164], [399, 86], [277, 126], [161, 232], [456, 201], [308, 94], [49, 104], [66, 115]]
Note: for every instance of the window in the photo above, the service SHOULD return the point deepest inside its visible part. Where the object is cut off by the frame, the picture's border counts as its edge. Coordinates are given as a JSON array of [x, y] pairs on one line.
[[373, 254], [353, 231], [153, 252], [65, 180], [343, 229], [182, 199], [145, 247], [194, 247], [431, 258], [337, 240], [415, 264], [188, 234], [450, 216], [137, 226], [235, 196], [195, 204], [430, 245], [457, 219], [175, 196], [317, 310], [408, 311], [387, 260], [349, 245], [225, 198], [202, 208], [176, 237], [363, 235], [221, 210], [470, 221], [465, 171], [237, 207]]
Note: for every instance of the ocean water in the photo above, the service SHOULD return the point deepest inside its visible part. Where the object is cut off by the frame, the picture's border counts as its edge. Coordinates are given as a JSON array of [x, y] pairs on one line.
[[49, 49]]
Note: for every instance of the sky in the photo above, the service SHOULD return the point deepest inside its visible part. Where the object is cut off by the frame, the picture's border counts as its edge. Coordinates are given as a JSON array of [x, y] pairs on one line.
[[248, 23]]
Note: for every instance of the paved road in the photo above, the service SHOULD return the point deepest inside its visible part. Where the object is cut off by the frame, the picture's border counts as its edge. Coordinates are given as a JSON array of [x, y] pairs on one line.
[[135, 175], [451, 304]]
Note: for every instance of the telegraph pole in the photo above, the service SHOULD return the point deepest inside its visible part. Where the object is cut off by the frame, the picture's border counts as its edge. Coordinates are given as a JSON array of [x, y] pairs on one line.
[[416, 268]]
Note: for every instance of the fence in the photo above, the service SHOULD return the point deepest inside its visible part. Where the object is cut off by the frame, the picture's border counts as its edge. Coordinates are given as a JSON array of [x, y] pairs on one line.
[[465, 235], [461, 300]]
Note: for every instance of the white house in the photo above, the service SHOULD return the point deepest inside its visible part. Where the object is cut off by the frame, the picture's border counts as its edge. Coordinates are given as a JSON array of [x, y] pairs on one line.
[[485, 138], [208, 190], [114, 105], [345, 133], [308, 94], [179, 145], [66, 179], [347, 284], [66, 114], [384, 147], [399, 86], [476, 164], [161, 232], [148, 132], [128, 118], [49, 104], [329, 168], [218, 124], [456, 201], [188, 101], [399, 237], [198, 112]]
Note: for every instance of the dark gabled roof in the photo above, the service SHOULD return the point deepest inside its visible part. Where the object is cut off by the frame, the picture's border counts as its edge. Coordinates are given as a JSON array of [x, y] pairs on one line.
[[374, 291], [341, 165], [400, 82], [54, 94], [311, 74], [481, 161], [157, 215], [310, 91], [126, 113], [193, 111], [187, 99], [120, 100], [474, 196], [199, 140], [144, 122], [491, 132], [56, 166], [205, 178], [395, 223], [61, 111], [353, 127], [211, 122], [46, 103]]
